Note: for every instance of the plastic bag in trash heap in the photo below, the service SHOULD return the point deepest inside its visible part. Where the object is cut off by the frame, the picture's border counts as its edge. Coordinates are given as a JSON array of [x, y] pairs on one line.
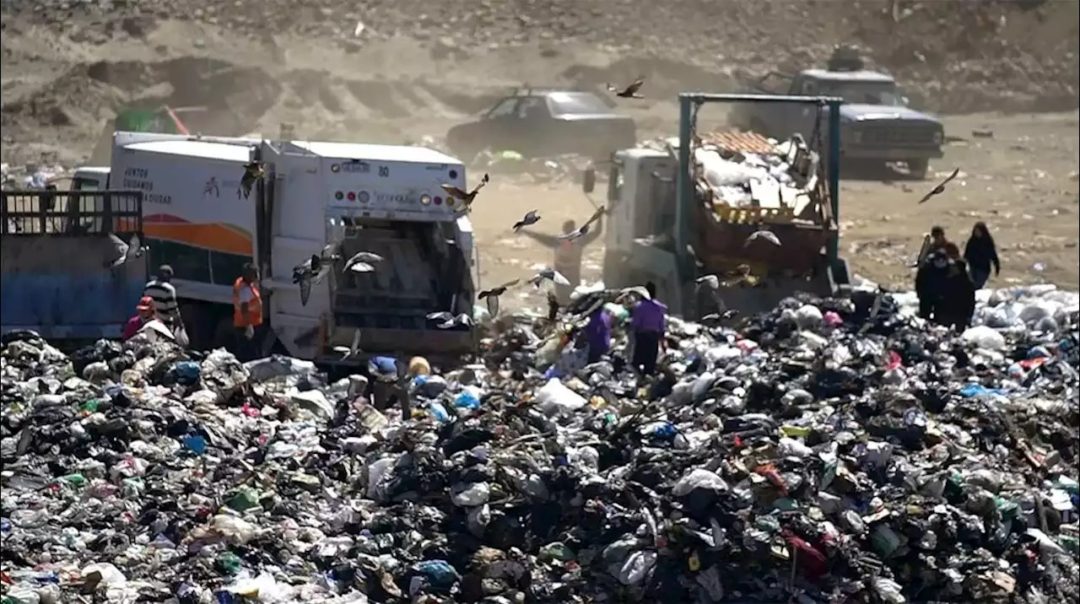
[[556, 399]]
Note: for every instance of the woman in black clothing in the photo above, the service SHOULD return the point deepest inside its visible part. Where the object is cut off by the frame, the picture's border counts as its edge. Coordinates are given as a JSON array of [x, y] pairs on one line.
[[980, 253], [957, 303]]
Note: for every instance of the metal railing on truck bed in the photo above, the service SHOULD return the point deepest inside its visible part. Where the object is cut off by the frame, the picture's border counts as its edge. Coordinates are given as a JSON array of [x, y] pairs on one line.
[[53, 256]]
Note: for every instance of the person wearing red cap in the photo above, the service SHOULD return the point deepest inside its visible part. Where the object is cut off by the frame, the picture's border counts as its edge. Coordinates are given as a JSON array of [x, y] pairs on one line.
[[144, 313]]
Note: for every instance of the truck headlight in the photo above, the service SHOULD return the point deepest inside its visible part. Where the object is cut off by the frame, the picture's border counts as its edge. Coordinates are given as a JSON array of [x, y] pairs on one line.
[[939, 136]]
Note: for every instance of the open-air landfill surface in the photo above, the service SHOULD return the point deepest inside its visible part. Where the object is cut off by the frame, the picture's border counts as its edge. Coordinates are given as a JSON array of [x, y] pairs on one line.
[[829, 450]]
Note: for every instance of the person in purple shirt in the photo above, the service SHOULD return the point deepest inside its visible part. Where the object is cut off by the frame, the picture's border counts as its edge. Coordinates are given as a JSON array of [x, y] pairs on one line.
[[598, 333], [648, 322]]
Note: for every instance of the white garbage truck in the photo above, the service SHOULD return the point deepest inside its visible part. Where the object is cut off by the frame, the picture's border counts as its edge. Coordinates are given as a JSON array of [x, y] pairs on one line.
[[384, 199]]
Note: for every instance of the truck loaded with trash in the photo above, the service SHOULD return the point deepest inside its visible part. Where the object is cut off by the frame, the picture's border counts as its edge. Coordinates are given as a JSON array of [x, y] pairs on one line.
[[213, 204], [729, 220]]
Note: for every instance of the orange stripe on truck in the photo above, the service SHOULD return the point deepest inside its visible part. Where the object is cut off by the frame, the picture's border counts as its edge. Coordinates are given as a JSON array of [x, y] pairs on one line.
[[214, 237]]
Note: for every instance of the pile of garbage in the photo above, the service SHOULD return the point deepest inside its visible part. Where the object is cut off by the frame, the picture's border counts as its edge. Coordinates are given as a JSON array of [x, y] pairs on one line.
[[827, 450]]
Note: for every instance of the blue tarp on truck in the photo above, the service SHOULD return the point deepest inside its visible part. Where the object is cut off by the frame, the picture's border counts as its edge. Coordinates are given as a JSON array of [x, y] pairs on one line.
[[53, 252]]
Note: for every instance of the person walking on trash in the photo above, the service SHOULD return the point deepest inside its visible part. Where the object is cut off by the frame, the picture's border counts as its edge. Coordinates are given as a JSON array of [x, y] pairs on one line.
[[166, 304], [648, 323], [247, 312], [980, 252], [144, 313], [957, 303], [598, 332], [930, 282], [935, 241], [568, 254]]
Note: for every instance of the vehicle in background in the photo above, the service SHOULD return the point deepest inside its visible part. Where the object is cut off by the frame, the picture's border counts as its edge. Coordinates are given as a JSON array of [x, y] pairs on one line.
[[671, 232], [876, 124], [544, 123], [53, 253], [376, 198]]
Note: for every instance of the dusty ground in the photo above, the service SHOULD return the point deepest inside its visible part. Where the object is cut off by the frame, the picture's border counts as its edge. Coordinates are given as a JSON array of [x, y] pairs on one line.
[[418, 67]]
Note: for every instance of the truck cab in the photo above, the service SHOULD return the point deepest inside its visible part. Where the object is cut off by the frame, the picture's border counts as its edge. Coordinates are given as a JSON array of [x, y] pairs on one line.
[[876, 124]]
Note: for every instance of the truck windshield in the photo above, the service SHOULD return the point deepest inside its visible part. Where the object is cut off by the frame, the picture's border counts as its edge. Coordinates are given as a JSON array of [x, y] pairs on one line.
[[564, 103], [866, 93]]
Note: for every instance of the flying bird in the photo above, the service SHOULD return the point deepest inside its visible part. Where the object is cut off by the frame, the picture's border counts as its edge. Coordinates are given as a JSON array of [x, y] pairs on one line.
[[352, 349], [764, 235], [531, 218], [253, 172], [314, 270], [631, 91], [492, 296], [125, 251], [549, 274], [466, 198], [448, 320], [363, 262], [938, 190]]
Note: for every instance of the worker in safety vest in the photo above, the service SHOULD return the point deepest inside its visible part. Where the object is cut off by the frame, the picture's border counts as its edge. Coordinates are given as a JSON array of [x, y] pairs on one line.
[[568, 254], [247, 312]]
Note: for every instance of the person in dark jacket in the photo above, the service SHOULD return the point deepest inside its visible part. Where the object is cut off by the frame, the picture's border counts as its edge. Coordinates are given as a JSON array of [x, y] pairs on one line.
[[930, 282], [957, 303], [980, 253]]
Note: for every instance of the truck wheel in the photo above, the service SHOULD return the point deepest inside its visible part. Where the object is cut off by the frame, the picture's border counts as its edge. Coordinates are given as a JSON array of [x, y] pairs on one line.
[[917, 168]]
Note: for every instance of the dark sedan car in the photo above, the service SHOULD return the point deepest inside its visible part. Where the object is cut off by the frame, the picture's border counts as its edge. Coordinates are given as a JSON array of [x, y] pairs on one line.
[[543, 124]]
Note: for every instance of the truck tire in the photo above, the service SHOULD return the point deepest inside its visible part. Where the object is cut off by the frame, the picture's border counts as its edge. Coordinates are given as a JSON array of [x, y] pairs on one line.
[[917, 168]]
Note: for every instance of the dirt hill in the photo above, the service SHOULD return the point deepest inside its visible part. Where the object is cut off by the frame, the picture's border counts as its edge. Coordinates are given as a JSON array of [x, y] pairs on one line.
[[402, 69]]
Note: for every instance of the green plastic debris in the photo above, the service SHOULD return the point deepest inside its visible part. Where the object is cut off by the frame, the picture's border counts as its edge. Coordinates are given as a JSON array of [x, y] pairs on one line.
[[90, 406], [228, 563], [243, 500], [75, 480], [556, 551]]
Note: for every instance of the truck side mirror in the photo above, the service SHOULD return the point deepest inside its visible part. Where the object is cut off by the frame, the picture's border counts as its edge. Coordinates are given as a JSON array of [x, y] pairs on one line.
[[588, 180]]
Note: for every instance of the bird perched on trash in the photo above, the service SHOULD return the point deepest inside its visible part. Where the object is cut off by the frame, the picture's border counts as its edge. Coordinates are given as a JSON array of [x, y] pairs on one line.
[[466, 198], [253, 172], [532, 217], [583, 230], [631, 91], [363, 262], [549, 274], [763, 235], [492, 296], [351, 350], [314, 270], [448, 320], [938, 190], [125, 251]]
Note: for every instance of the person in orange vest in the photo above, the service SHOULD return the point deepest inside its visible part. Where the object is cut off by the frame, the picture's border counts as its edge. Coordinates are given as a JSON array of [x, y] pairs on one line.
[[568, 254], [247, 312]]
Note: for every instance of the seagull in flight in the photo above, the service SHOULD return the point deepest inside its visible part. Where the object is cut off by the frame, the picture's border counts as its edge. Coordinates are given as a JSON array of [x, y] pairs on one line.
[[532, 217], [630, 91], [125, 251], [938, 190], [492, 296], [763, 235], [549, 274], [363, 262], [466, 197]]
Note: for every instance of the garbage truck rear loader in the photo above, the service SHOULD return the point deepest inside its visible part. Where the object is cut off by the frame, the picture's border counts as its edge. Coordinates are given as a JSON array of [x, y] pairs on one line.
[[376, 198]]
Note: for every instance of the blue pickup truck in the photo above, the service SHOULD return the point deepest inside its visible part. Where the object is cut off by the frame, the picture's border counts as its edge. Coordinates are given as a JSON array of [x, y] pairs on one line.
[[54, 246], [876, 125]]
